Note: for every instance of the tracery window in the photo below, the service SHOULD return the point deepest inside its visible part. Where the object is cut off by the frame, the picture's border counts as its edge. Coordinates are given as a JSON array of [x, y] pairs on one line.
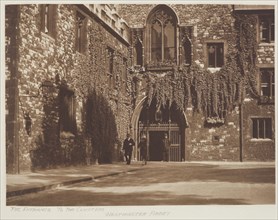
[[162, 30]]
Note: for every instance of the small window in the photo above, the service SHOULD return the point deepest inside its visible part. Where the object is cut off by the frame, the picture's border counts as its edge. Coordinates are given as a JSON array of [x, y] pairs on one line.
[[124, 77], [139, 53], [110, 67], [80, 33], [262, 128], [215, 54], [267, 82], [267, 28], [48, 15], [187, 52]]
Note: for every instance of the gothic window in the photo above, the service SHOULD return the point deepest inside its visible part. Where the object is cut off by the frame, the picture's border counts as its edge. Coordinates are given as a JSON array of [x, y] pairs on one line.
[[266, 28], [48, 17], [215, 55], [80, 33], [261, 128], [162, 30], [267, 82]]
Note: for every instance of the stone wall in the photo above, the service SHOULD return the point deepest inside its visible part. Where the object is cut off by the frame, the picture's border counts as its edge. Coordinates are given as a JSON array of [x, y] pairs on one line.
[[35, 59], [42, 59], [257, 149], [216, 22], [212, 142], [221, 142], [266, 54]]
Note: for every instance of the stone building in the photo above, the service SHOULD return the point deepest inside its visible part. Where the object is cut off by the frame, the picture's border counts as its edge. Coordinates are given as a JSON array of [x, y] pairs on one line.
[[80, 75]]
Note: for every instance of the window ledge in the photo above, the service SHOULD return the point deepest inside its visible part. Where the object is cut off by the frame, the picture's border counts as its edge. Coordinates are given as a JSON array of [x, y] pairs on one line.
[[157, 68], [267, 44], [261, 140], [266, 100], [213, 69], [47, 36]]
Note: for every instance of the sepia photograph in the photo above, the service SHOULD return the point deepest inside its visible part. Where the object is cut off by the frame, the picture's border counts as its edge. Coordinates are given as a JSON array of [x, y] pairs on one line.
[[138, 109]]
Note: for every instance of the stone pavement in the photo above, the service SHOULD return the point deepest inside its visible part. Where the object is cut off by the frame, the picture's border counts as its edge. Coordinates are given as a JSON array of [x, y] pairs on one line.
[[40, 180], [30, 182]]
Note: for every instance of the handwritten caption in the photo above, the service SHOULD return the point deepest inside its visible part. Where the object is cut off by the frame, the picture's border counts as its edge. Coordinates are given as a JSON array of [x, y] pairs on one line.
[[103, 211], [56, 209]]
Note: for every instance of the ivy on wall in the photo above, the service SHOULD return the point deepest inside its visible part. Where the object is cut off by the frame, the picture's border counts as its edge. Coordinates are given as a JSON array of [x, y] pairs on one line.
[[213, 94], [100, 126], [95, 87]]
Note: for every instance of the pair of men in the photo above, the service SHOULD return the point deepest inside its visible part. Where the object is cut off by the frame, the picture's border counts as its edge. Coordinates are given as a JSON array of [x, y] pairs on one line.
[[129, 144], [128, 147]]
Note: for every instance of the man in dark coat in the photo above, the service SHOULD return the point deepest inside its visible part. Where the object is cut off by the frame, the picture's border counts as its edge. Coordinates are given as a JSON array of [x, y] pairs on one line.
[[143, 149], [166, 147], [128, 147]]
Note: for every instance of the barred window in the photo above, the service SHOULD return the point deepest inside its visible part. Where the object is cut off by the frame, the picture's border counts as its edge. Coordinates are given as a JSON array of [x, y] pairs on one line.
[[262, 128]]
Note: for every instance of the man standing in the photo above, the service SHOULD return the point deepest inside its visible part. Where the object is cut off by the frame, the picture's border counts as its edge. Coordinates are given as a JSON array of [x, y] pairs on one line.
[[143, 149], [166, 147], [128, 147]]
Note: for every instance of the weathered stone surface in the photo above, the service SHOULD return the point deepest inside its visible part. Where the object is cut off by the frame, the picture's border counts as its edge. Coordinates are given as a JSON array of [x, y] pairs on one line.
[[33, 57]]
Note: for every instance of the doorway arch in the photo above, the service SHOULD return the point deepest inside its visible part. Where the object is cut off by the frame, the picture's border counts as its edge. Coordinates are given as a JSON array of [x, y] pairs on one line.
[[154, 123]]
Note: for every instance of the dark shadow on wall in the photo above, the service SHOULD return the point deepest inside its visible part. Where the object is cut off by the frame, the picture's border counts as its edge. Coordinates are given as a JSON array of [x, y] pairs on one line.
[[100, 127], [62, 145]]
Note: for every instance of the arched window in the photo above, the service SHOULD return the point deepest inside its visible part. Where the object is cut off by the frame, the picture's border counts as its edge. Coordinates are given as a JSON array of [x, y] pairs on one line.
[[162, 24]]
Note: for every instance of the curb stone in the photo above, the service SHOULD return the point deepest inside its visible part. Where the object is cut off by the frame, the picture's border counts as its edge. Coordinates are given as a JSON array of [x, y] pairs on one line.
[[65, 183]]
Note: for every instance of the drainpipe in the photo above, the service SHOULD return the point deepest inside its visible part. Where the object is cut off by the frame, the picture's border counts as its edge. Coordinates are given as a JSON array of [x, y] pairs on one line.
[[241, 132]]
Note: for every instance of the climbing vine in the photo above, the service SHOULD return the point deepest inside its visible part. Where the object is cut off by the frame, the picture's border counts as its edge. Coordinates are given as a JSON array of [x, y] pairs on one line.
[[213, 94]]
